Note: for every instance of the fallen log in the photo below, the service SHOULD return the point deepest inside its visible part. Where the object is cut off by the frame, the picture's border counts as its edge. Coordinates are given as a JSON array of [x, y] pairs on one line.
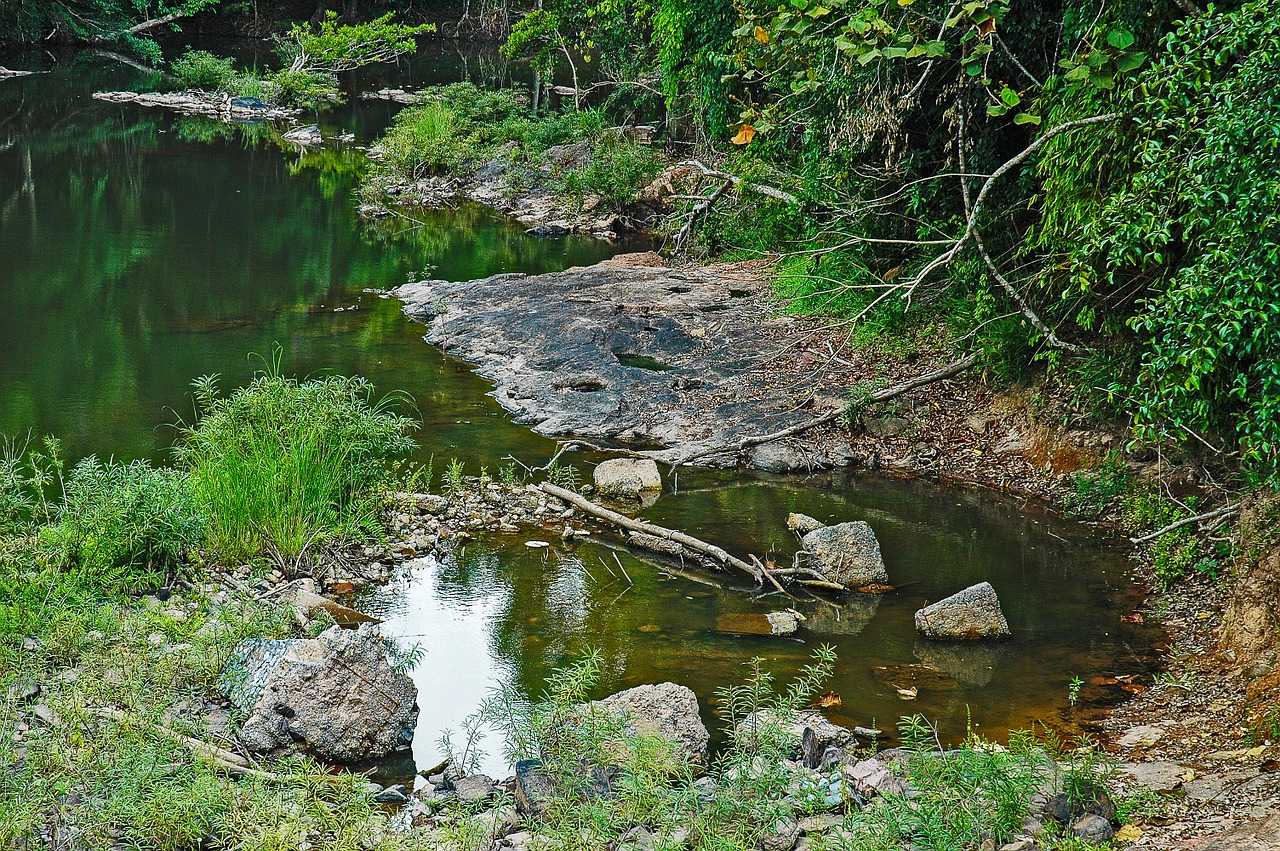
[[716, 554]]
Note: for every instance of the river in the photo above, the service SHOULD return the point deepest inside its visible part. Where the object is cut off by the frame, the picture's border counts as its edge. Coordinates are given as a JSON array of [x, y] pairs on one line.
[[140, 249]]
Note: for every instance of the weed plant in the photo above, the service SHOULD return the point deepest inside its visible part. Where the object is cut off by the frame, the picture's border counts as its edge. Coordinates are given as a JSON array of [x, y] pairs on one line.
[[287, 464]]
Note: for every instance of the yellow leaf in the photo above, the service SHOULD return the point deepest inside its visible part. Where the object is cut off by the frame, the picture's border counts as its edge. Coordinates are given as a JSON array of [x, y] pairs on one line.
[[1129, 833], [905, 2], [1189, 776], [745, 134], [1251, 752], [762, 35]]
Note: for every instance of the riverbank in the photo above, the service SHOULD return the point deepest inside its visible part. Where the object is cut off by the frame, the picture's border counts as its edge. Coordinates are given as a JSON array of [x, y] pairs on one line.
[[698, 357]]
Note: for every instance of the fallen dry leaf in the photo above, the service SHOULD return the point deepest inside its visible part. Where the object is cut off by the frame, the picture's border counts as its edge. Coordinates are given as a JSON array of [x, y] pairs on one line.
[[1136, 617], [906, 693], [1128, 833], [830, 700]]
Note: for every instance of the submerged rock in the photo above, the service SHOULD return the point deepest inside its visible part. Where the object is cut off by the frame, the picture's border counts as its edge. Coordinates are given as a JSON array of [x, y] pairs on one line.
[[308, 136], [336, 694], [630, 478], [848, 553], [969, 615], [803, 524]]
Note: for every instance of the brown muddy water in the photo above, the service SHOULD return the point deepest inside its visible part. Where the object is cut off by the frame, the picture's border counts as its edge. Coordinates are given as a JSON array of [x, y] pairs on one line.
[[139, 250]]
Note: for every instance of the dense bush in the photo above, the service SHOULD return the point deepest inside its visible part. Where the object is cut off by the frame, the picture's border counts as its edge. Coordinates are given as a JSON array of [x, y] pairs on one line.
[[619, 165], [287, 464], [200, 69], [124, 526]]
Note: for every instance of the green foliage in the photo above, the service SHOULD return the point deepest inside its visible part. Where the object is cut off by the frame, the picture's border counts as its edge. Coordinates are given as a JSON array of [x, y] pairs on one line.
[[127, 23], [1178, 552], [331, 47], [293, 88], [26, 476], [619, 167], [200, 69], [1191, 230], [454, 478], [456, 128], [1094, 490], [284, 463], [124, 526]]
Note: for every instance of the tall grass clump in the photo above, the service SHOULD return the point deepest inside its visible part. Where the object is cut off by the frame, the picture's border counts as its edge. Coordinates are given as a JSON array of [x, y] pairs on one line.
[[283, 464]]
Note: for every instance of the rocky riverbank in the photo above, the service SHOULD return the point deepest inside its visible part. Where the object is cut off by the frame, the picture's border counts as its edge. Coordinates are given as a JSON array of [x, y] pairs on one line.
[[528, 191], [635, 351]]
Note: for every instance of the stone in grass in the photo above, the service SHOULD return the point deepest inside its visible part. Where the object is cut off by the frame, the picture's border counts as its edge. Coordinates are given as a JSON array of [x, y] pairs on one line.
[[847, 553], [336, 694], [970, 615], [1092, 829], [668, 710], [474, 788], [629, 478]]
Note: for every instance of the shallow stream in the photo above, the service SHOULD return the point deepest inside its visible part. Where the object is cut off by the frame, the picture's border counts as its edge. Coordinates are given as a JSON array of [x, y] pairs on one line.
[[139, 249]]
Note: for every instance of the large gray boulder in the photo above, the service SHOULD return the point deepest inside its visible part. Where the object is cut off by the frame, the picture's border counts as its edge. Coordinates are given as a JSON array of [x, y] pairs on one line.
[[970, 615], [336, 694], [848, 553], [668, 710], [630, 478]]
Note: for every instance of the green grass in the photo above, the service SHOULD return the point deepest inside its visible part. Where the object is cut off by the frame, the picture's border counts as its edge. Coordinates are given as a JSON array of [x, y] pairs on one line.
[[286, 465]]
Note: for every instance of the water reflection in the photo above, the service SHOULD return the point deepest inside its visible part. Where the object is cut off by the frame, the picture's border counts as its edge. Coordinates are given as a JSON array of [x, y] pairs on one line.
[[1062, 594]]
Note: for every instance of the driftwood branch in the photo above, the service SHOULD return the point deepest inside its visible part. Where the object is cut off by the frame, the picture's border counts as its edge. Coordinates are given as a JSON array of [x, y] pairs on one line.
[[228, 761], [1186, 521], [717, 554], [676, 458], [768, 191]]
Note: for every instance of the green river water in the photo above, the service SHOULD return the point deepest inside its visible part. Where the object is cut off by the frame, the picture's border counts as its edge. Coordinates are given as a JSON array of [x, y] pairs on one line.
[[140, 249]]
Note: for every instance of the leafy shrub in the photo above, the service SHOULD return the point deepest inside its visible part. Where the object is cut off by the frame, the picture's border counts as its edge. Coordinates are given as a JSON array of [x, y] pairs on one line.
[[294, 88], [285, 463], [124, 525], [1189, 235], [200, 69], [619, 168], [423, 141], [1093, 490]]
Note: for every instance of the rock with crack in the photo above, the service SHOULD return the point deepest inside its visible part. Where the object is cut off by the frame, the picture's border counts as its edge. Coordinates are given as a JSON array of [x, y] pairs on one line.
[[336, 695], [973, 614], [848, 553]]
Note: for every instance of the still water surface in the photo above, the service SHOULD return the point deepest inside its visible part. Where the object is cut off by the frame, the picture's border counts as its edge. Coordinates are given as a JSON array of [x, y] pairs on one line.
[[139, 250]]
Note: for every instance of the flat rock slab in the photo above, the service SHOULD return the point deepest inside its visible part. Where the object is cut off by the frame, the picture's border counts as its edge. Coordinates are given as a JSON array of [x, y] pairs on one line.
[[629, 350], [196, 102]]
